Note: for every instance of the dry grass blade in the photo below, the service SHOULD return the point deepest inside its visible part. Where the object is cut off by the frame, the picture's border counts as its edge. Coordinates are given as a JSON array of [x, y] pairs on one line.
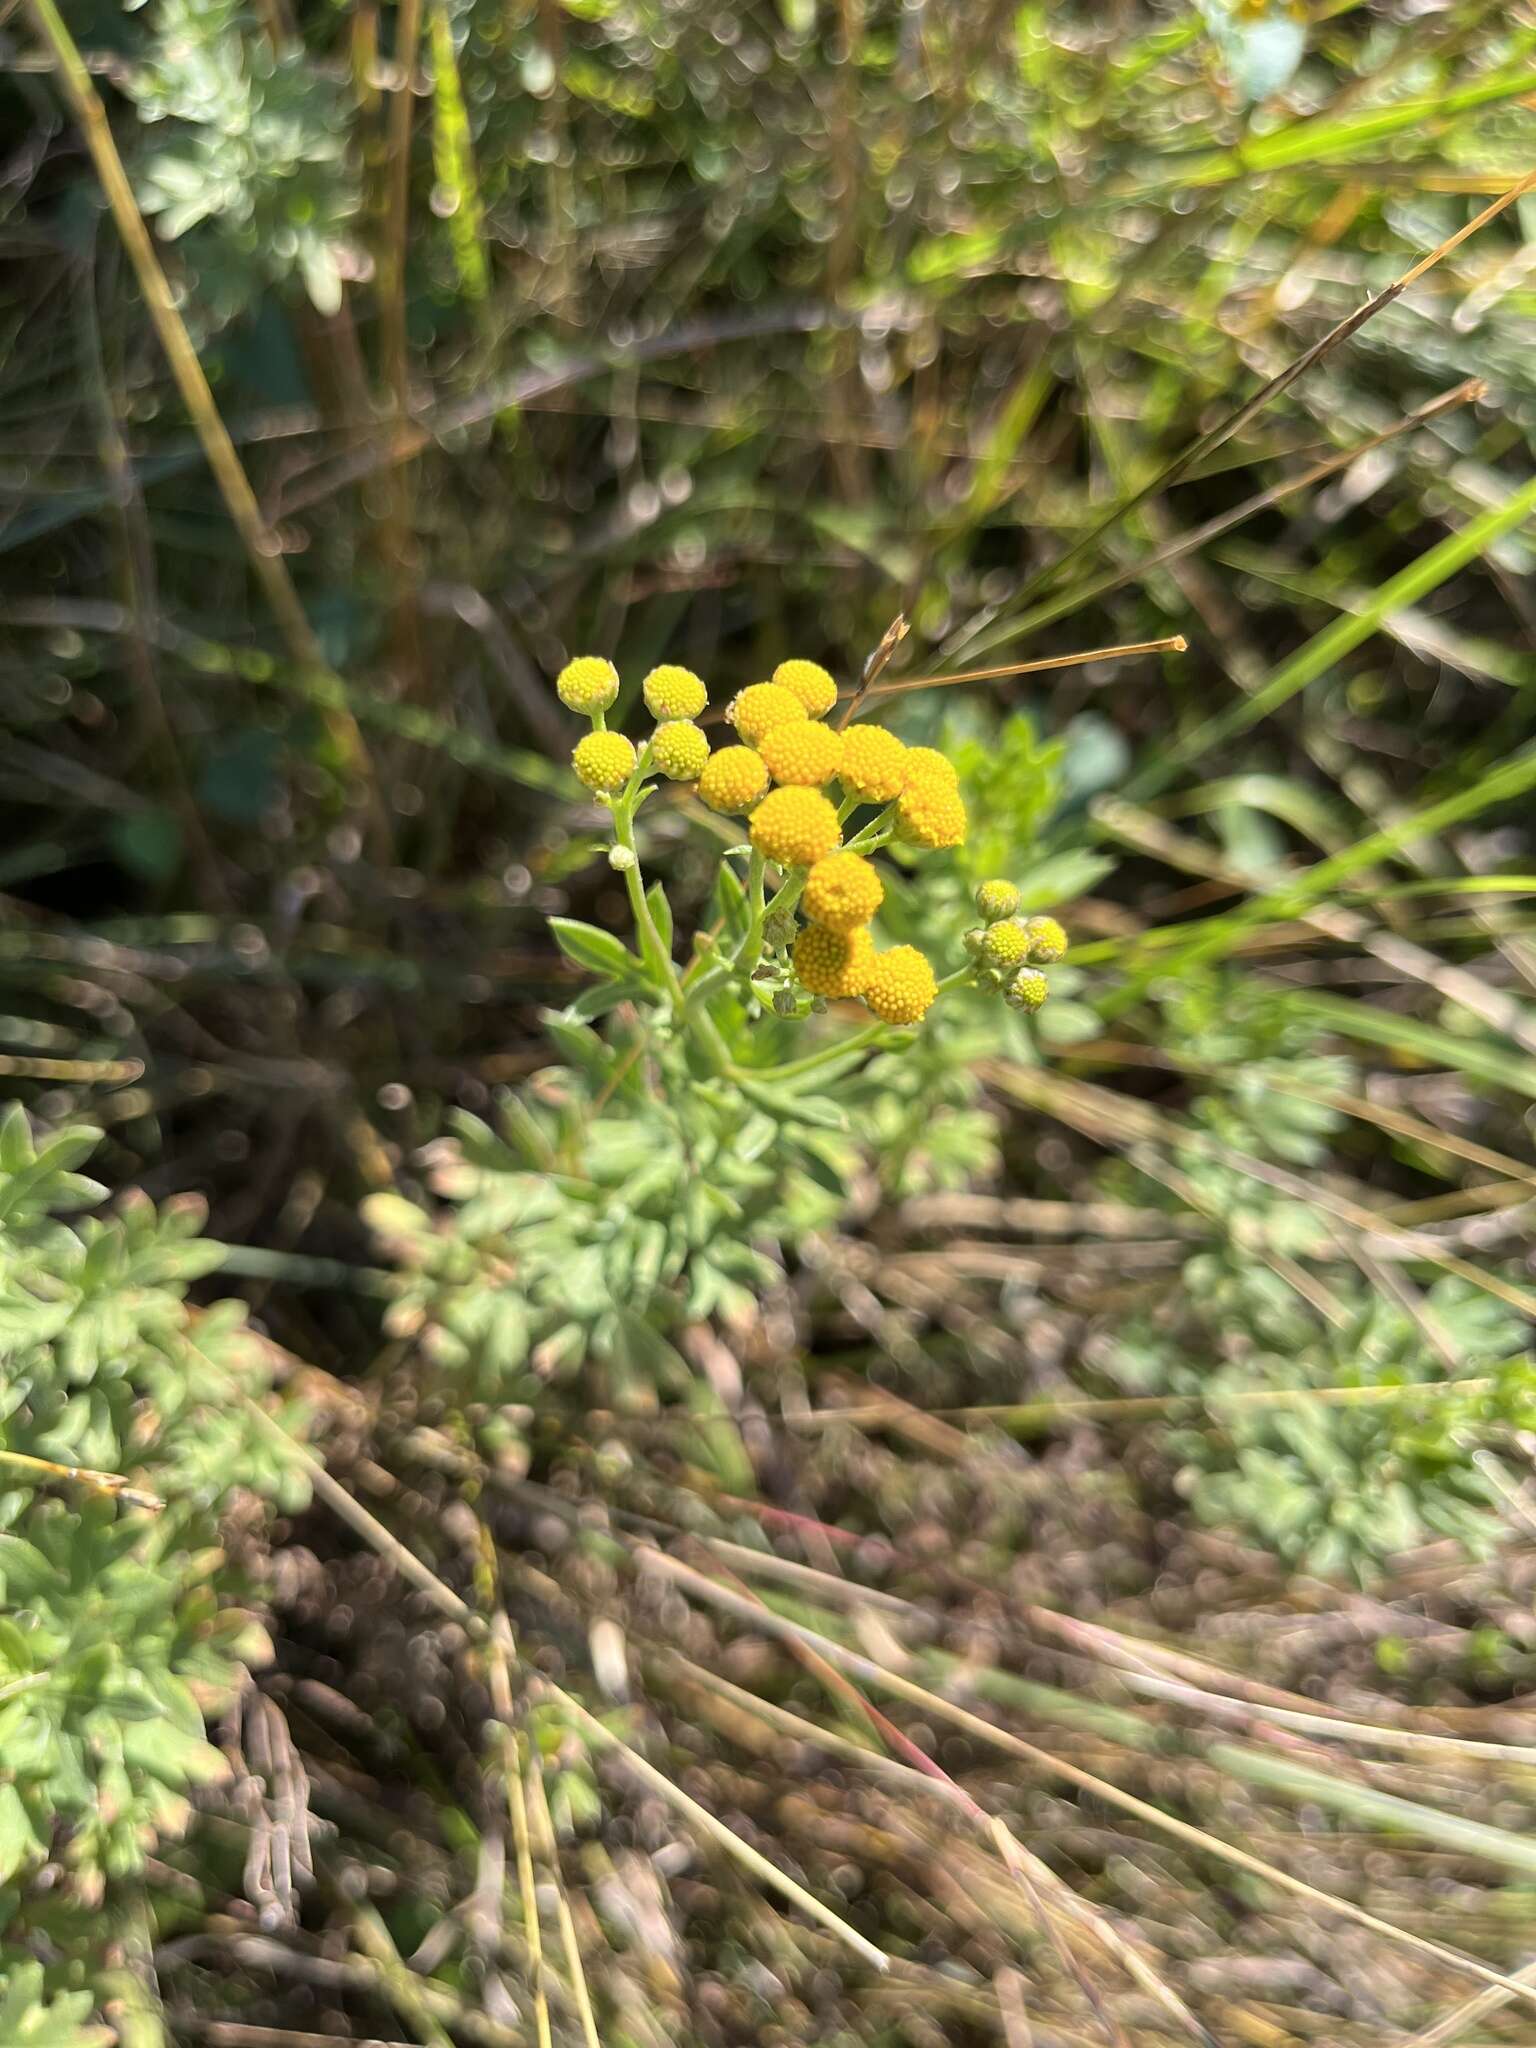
[[1116, 1121], [974, 1724], [110, 1484], [544, 1844], [1472, 2013], [920, 1774], [262, 550], [657, 1781], [1180, 545], [1458, 985], [499, 1670], [1235, 421], [1175, 643], [1030, 1415], [890, 640]]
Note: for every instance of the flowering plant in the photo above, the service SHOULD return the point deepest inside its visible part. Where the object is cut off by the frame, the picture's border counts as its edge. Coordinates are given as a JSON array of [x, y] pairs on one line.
[[644, 1182], [808, 942]]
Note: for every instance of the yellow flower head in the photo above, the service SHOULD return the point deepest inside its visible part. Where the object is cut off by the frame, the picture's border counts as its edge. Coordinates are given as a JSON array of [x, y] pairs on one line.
[[1027, 990], [900, 986], [762, 706], [680, 750], [874, 763], [1004, 945], [587, 684], [808, 681], [1046, 939], [802, 753], [932, 815], [795, 828], [833, 964], [733, 779], [928, 765], [604, 761], [996, 900], [673, 692], [842, 892]]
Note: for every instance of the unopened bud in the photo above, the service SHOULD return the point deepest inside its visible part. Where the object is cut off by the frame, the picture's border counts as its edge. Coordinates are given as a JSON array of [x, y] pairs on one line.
[[621, 859], [1027, 990], [1047, 940], [996, 900]]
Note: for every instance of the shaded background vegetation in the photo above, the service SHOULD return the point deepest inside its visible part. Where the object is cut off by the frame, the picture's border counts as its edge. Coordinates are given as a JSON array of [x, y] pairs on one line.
[[716, 335]]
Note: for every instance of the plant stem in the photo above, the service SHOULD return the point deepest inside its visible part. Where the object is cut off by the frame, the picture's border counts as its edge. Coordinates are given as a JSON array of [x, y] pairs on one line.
[[658, 955], [793, 1069], [869, 1036], [875, 833], [751, 950], [261, 547]]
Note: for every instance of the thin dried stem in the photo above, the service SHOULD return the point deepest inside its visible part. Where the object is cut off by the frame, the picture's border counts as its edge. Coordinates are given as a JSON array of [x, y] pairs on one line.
[[1174, 644], [769, 1873], [1127, 1802], [261, 546]]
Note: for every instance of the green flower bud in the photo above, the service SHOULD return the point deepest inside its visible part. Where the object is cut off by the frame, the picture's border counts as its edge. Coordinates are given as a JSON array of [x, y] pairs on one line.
[[997, 900], [1027, 990], [1047, 940]]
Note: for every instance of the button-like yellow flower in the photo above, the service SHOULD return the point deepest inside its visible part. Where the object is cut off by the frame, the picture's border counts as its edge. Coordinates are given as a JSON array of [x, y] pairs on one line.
[[587, 684], [932, 815], [1027, 990], [996, 900], [927, 764], [680, 749], [802, 753], [1046, 939], [604, 761], [762, 706], [808, 681], [842, 892], [1004, 945], [874, 763], [833, 964], [733, 779], [673, 692], [795, 828], [900, 986]]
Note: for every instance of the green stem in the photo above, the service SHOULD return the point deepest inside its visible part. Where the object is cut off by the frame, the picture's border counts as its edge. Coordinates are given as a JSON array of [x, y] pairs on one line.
[[652, 946], [654, 949], [793, 1069], [875, 834], [869, 1036], [751, 949]]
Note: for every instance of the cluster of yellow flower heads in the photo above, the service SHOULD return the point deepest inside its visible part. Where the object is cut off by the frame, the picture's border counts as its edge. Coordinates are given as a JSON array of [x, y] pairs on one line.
[[1009, 951], [778, 774]]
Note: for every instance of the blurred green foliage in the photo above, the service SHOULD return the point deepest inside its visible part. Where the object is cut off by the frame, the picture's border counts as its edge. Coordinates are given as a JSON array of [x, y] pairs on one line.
[[120, 1628]]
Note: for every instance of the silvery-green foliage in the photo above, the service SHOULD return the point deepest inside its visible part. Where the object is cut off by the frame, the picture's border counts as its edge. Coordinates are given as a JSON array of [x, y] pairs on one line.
[[32, 2018], [253, 153], [120, 1626], [1339, 1488], [603, 1212], [1334, 1485]]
